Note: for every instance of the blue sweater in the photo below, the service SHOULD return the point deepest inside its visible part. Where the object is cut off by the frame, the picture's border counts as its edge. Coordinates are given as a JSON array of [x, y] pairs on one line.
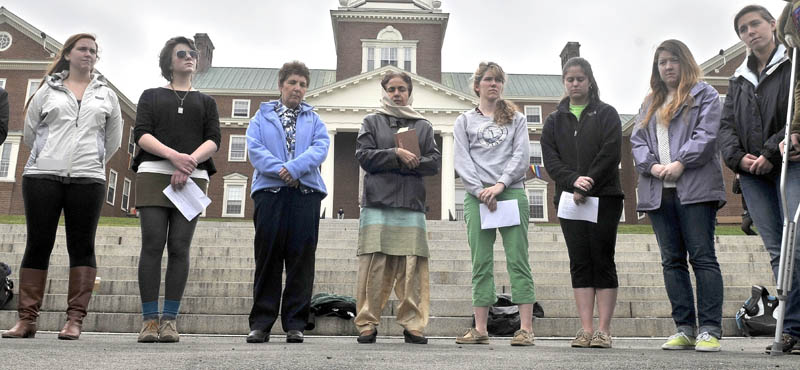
[[266, 146]]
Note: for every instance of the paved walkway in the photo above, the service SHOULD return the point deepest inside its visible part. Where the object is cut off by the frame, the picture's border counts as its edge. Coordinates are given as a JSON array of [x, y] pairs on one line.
[[120, 351]]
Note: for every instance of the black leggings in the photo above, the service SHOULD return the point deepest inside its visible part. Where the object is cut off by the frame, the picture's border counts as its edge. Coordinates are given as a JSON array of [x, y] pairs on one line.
[[160, 226], [591, 246], [44, 200]]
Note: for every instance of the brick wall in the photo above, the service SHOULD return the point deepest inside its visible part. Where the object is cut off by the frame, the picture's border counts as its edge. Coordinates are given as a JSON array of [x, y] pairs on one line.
[[349, 49]]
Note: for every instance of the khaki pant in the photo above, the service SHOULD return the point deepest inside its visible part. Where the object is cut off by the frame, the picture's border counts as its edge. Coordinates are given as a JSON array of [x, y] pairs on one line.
[[377, 274]]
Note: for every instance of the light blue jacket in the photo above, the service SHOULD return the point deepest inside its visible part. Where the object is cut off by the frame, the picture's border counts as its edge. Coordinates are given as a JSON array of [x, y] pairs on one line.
[[266, 146], [692, 141]]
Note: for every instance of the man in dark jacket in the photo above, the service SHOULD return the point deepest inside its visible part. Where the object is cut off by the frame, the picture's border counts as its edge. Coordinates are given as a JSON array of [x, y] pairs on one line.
[[3, 115]]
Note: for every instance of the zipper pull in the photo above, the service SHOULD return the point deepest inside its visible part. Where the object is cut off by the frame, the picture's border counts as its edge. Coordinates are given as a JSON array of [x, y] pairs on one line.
[[576, 133]]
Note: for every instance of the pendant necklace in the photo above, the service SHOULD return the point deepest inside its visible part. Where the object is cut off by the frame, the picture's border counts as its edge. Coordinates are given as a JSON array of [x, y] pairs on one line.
[[180, 108]]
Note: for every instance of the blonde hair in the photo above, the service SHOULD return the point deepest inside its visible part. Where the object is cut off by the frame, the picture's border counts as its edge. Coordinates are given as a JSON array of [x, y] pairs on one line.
[[60, 63], [689, 76], [505, 109]]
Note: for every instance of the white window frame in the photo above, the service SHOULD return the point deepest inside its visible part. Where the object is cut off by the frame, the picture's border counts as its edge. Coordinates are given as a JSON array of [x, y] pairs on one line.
[[112, 186], [538, 188], [208, 185], [125, 202], [639, 215], [13, 141], [29, 92], [10, 40], [532, 144], [230, 181], [722, 99], [386, 55], [378, 45], [3, 83], [233, 108], [131, 141], [539, 107], [230, 148], [622, 218]]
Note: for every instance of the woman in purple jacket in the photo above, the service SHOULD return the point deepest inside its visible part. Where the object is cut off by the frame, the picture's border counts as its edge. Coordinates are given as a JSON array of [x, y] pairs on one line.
[[681, 188]]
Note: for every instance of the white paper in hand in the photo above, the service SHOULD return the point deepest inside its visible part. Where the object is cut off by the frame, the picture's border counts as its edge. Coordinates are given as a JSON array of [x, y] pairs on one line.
[[506, 214], [568, 209], [190, 200]]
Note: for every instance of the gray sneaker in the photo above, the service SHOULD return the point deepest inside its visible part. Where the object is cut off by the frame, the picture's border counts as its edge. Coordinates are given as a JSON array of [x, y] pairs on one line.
[[582, 340], [149, 332], [168, 332]]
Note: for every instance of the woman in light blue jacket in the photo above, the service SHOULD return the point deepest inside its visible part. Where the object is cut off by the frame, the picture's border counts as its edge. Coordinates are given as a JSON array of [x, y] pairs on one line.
[[287, 143], [680, 187]]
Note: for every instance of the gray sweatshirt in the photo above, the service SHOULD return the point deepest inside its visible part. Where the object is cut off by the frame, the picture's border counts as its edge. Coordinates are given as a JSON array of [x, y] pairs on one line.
[[488, 153]]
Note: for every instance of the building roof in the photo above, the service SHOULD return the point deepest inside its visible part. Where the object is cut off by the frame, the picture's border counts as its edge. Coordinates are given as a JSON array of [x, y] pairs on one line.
[[518, 86], [255, 79], [261, 80]]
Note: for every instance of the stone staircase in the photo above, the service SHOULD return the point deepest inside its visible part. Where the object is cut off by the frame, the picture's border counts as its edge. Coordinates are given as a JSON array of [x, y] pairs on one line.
[[218, 295]]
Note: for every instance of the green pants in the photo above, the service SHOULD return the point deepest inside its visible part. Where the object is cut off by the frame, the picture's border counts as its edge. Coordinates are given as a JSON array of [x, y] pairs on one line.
[[515, 243]]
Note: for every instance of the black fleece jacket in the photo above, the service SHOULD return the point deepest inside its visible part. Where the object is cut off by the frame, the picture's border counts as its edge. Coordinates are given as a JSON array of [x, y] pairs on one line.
[[589, 147]]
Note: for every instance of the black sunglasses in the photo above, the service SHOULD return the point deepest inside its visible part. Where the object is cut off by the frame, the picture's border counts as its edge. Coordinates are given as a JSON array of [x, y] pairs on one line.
[[182, 54]]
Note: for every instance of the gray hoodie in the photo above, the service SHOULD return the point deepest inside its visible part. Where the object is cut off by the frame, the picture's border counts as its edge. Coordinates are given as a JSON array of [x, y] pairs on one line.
[[488, 153]]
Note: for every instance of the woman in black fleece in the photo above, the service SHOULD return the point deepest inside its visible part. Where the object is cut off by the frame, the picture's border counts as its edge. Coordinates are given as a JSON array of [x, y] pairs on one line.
[[581, 144]]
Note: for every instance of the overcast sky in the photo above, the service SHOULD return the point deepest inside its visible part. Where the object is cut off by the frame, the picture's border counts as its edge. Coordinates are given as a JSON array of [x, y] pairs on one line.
[[525, 36]]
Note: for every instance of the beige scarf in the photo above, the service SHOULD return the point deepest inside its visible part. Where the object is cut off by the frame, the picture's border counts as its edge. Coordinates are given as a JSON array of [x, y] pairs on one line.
[[389, 108]]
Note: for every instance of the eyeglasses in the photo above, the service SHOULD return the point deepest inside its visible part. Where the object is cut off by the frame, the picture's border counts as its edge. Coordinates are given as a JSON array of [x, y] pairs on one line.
[[181, 54]]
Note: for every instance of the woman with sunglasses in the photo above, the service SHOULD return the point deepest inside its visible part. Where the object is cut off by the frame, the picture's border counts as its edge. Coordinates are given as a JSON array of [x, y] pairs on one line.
[[73, 126], [177, 130]]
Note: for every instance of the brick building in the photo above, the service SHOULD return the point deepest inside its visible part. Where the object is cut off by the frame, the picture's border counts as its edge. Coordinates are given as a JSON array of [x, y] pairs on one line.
[[25, 54], [371, 37]]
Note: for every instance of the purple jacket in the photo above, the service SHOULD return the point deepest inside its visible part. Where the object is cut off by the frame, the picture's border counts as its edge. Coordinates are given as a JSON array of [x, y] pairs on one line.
[[693, 142]]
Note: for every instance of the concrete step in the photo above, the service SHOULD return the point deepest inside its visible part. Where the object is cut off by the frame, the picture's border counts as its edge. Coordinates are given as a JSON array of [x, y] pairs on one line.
[[439, 249], [336, 254], [553, 308], [130, 272], [437, 326]]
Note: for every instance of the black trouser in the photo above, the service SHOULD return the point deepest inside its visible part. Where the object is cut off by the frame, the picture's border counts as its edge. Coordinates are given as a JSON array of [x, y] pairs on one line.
[[591, 246], [287, 227], [44, 200], [164, 226]]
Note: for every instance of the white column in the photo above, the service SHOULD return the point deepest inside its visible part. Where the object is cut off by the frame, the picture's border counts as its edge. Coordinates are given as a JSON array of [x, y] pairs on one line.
[[327, 177], [448, 176]]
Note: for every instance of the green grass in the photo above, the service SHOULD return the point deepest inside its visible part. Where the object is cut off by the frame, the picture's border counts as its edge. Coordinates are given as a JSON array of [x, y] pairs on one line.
[[647, 229], [134, 222], [110, 221]]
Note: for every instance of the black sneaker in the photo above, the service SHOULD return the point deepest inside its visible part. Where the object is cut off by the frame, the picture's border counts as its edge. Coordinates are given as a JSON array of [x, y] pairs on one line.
[[787, 343]]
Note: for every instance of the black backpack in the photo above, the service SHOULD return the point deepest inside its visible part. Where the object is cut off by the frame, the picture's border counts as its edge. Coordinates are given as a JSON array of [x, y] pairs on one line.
[[504, 316], [325, 304], [757, 315], [6, 285]]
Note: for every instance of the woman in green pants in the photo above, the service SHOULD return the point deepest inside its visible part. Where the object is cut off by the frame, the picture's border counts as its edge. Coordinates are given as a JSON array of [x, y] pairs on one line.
[[491, 158]]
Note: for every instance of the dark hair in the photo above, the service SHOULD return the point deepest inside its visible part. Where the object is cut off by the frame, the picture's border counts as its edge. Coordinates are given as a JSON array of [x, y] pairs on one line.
[[594, 91], [762, 11], [165, 57], [293, 68], [689, 76], [504, 113], [60, 63], [393, 74]]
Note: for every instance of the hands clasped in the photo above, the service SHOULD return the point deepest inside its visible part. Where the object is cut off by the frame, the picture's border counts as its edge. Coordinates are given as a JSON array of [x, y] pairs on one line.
[[670, 172]]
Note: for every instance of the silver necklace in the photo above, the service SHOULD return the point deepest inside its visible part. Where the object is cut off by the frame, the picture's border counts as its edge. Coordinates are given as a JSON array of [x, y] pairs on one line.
[[180, 108]]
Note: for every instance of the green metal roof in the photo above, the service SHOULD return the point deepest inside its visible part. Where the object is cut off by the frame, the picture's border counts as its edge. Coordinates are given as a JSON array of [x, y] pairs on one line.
[[517, 86], [256, 79], [266, 79]]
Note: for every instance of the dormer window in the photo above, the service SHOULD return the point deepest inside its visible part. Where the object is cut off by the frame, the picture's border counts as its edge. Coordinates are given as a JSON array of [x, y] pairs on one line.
[[389, 48]]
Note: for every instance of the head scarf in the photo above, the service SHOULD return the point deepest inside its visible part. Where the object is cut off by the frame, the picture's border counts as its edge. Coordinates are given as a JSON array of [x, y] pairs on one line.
[[389, 108]]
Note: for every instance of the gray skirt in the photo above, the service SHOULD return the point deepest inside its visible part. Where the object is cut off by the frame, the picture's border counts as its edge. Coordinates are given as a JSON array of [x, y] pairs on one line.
[[149, 189]]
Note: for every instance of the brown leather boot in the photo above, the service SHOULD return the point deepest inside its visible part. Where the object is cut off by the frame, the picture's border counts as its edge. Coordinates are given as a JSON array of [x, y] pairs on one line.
[[31, 293], [81, 283]]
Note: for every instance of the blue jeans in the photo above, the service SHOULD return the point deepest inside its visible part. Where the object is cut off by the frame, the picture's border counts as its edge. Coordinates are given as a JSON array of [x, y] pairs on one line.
[[683, 230], [762, 194]]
